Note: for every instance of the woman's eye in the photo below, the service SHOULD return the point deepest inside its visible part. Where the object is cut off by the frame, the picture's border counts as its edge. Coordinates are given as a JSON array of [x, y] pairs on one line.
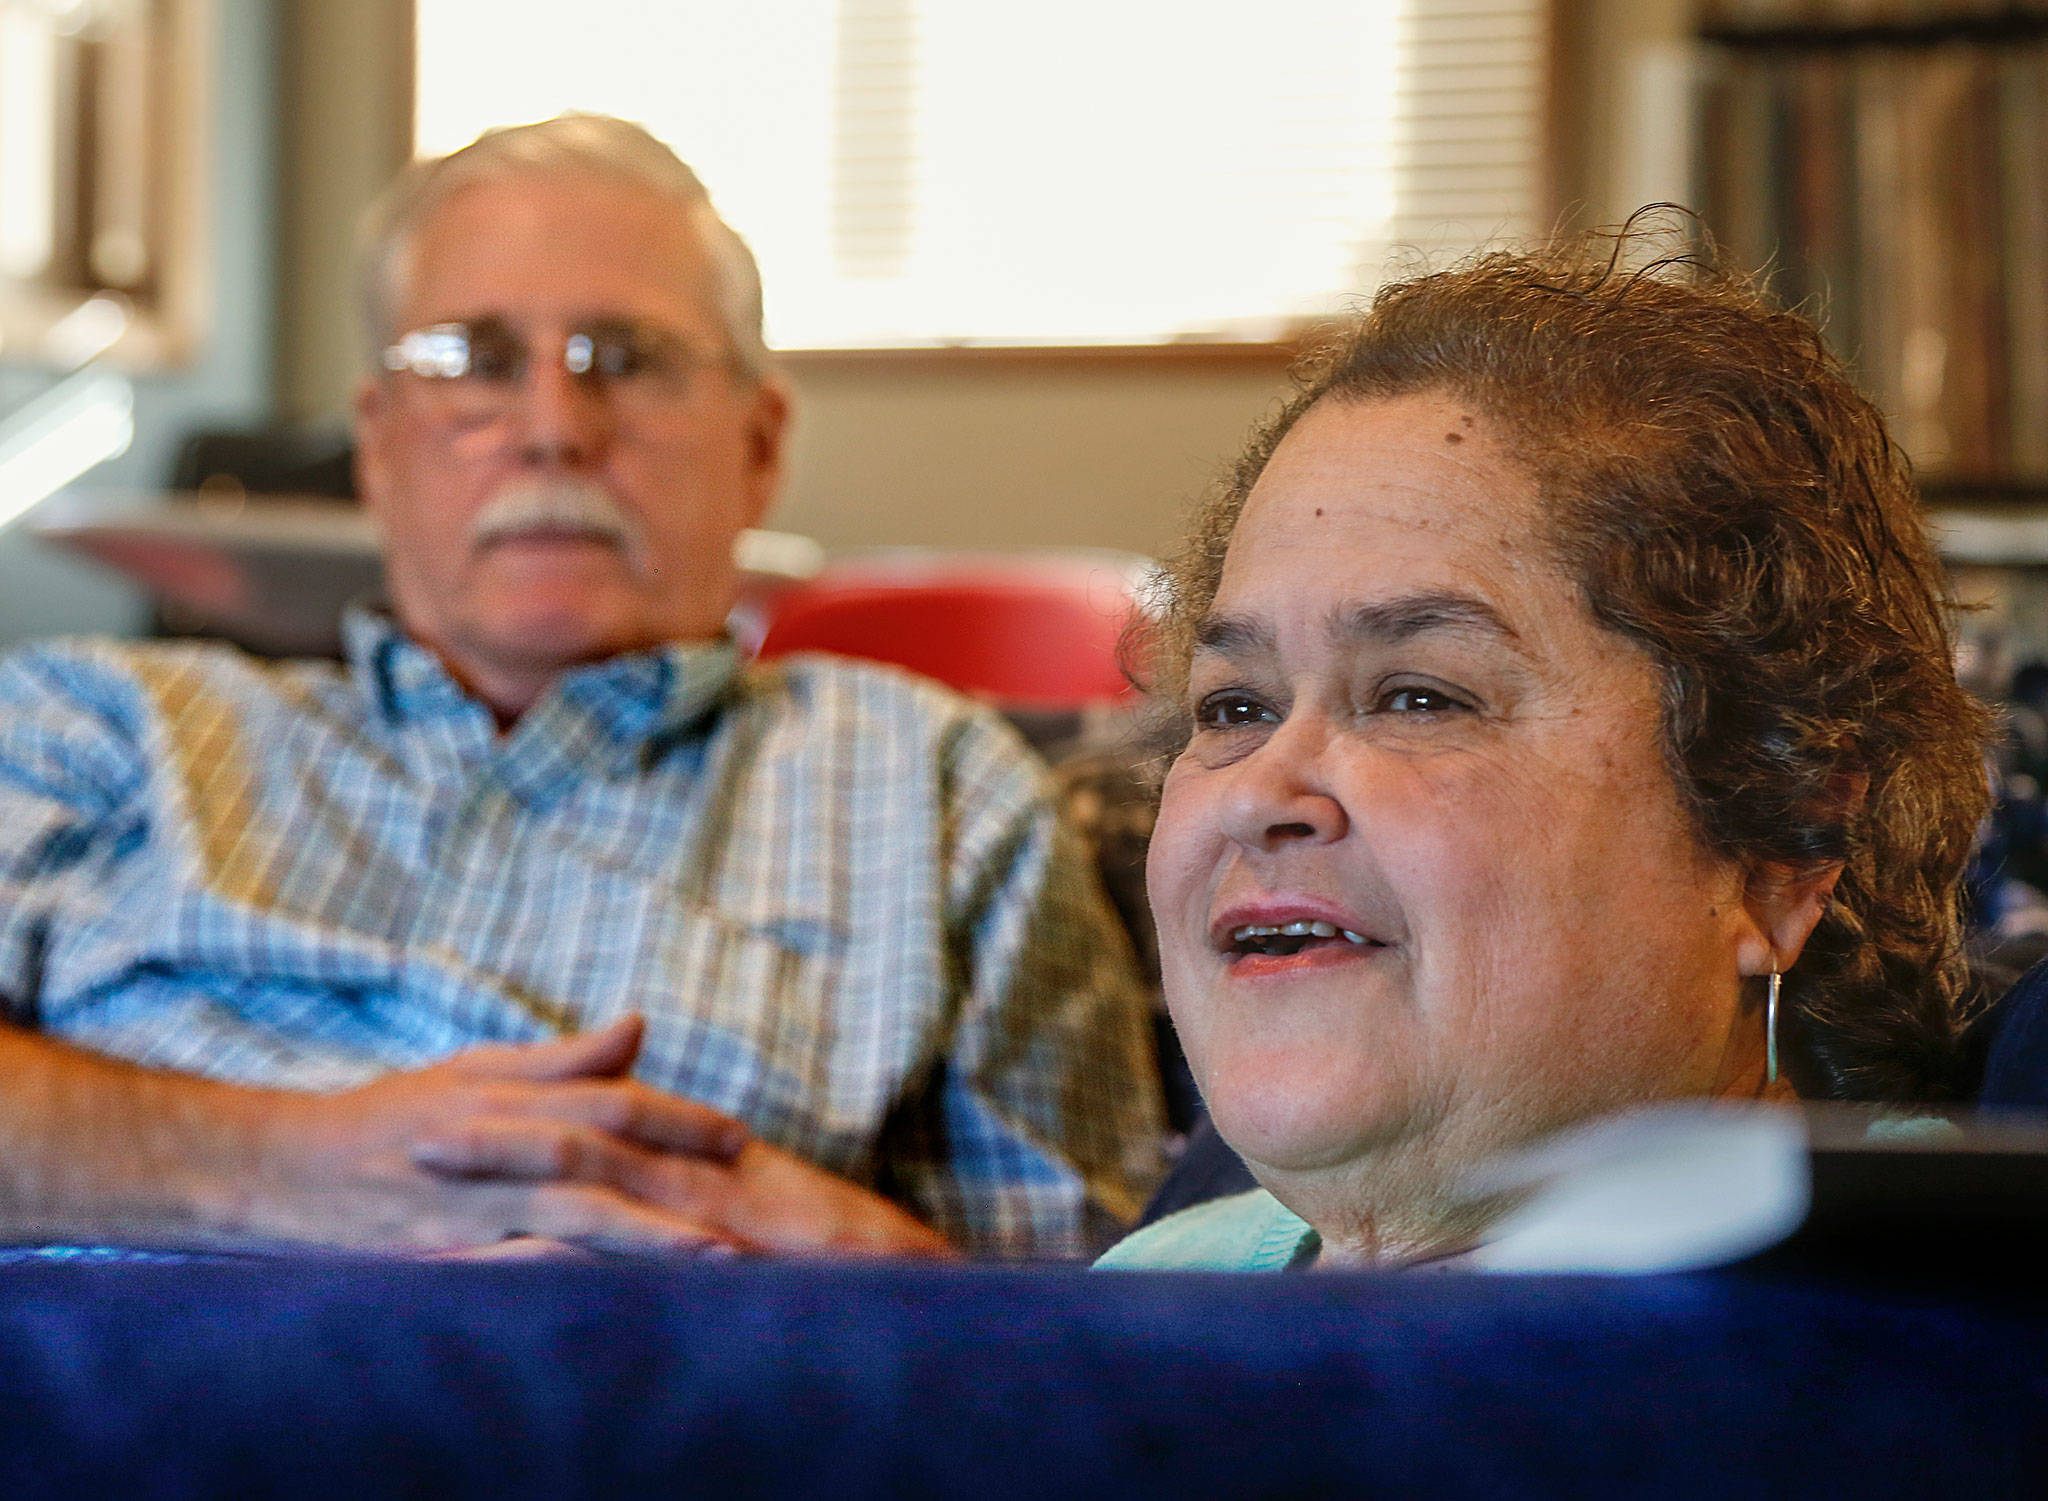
[[1229, 711], [1415, 699]]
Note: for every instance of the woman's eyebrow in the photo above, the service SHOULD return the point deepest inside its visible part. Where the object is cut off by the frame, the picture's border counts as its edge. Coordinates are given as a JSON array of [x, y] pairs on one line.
[[1386, 621], [1410, 615], [1236, 636]]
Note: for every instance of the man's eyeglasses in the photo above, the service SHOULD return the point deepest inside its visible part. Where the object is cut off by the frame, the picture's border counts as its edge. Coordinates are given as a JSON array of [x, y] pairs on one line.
[[474, 370]]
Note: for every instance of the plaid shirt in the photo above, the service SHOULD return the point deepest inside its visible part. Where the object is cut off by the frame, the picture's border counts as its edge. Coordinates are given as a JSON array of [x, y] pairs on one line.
[[840, 896]]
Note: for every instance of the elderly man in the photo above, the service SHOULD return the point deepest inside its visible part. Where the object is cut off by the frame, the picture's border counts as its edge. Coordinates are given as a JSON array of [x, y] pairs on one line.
[[544, 916]]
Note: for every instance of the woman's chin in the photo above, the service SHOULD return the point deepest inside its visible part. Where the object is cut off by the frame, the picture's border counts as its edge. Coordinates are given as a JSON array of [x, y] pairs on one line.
[[1301, 1132], [1297, 1108]]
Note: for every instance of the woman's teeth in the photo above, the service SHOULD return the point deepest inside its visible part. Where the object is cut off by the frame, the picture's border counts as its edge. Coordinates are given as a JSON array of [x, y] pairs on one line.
[[1287, 938]]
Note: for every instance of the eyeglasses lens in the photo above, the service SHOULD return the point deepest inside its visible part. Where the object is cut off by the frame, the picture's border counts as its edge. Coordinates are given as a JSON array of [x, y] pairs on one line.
[[476, 372]]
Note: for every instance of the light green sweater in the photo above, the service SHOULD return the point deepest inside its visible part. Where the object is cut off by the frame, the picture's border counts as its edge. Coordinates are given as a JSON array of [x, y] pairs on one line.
[[1247, 1232]]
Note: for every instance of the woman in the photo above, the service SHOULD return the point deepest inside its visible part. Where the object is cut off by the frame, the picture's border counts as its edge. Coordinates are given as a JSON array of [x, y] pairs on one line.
[[1569, 723]]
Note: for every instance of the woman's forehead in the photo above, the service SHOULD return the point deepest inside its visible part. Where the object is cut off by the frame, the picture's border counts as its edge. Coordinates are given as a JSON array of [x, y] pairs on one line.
[[1389, 497]]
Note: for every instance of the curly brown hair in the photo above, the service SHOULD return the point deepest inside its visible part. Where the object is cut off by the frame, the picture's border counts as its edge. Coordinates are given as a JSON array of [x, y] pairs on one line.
[[1725, 498]]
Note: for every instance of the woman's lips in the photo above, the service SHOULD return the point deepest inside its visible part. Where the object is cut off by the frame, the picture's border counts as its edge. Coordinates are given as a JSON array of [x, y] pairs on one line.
[[1328, 954], [1290, 937]]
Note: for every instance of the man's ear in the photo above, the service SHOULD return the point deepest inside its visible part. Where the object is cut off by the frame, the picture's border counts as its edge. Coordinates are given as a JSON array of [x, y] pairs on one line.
[[369, 406], [1784, 904], [767, 437]]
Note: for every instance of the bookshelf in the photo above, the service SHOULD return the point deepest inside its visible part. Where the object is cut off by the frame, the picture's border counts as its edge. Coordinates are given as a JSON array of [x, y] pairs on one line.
[[1887, 160]]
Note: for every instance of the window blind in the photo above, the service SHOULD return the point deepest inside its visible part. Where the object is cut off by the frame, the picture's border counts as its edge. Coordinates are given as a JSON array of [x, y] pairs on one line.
[[1069, 172]]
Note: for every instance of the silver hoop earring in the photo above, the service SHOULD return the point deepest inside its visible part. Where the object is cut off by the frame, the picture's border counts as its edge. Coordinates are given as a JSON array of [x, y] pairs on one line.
[[1771, 1031]]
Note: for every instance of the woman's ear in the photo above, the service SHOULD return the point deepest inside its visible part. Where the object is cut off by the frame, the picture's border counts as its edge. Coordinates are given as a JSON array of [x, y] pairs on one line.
[[1784, 904]]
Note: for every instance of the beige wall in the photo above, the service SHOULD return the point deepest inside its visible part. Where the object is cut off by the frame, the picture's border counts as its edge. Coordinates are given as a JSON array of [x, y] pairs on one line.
[[345, 97], [997, 453], [975, 450]]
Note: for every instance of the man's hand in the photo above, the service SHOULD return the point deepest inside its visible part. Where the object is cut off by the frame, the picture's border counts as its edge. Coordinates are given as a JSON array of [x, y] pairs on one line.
[[765, 1200], [736, 1192], [368, 1168], [550, 1143], [782, 1203]]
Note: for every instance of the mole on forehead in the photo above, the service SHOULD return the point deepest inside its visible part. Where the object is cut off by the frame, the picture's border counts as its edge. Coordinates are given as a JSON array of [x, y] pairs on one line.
[[1407, 455]]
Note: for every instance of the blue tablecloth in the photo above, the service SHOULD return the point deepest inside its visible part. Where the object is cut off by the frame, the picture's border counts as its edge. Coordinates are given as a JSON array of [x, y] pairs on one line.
[[317, 1378]]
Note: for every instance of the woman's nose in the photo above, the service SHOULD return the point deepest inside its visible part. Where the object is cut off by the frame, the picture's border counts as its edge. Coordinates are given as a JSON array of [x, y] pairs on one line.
[[1280, 794]]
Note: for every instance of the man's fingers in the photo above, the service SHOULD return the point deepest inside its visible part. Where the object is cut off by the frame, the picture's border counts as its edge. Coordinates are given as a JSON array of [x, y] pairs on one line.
[[516, 1248], [622, 1108], [490, 1221], [588, 1247], [604, 1053], [530, 1150], [792, 1205], [605, 1220], [641, 1114], [543, 1151], [583, 1078], [767, 1200]]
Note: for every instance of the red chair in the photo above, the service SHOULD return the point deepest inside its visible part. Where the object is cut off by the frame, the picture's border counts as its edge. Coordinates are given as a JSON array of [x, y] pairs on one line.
[[1037, 631]]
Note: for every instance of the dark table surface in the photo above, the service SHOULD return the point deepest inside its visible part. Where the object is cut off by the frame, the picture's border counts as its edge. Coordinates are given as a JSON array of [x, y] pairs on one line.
[[321, 1377]]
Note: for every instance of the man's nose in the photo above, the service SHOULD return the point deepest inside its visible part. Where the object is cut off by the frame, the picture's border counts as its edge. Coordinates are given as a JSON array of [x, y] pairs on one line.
[[1282, 793], [561, 417]]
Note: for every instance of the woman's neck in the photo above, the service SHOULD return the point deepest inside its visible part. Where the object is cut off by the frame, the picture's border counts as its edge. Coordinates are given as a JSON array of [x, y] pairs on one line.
[[1389, 1212], [1411, 1202]]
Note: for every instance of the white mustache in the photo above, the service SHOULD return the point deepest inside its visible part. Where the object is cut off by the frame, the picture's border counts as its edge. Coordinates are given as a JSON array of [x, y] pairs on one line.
[[559, 503]]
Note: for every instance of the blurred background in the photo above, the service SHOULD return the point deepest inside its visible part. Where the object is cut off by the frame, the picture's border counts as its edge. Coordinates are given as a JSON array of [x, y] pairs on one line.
[[1034, 269]]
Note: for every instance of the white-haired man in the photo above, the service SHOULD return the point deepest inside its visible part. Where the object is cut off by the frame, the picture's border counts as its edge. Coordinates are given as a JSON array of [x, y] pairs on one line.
[[544, 916]]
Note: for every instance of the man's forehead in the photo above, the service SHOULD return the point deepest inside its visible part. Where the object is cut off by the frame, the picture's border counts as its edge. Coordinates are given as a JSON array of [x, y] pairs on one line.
[[555, 248]]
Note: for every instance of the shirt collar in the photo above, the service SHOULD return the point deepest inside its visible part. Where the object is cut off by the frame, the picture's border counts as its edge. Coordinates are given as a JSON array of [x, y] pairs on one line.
[[629, 699]]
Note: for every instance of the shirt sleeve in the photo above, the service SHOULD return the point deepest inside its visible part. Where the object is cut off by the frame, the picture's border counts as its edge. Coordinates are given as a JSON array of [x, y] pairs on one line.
[[1042, 1133], [81, 834], [70, 772]]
